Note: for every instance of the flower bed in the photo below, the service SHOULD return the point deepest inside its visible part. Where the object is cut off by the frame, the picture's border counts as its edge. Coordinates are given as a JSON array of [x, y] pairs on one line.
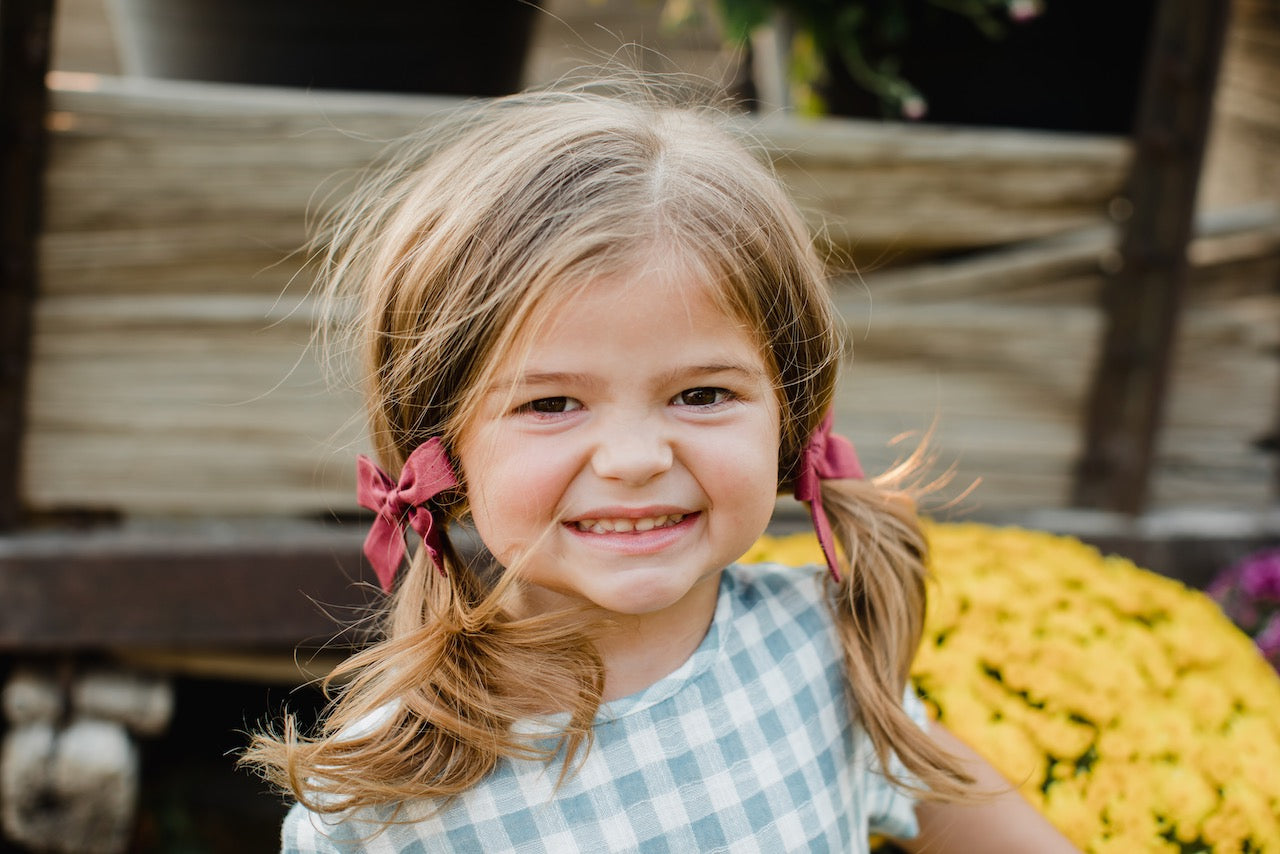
[[1125, 706]]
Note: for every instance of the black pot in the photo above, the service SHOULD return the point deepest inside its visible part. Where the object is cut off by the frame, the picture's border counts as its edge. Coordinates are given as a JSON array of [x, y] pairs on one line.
[[466, 47]]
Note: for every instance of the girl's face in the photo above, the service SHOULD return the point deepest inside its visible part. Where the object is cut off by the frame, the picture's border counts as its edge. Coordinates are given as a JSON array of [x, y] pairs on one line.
[[628, 449]]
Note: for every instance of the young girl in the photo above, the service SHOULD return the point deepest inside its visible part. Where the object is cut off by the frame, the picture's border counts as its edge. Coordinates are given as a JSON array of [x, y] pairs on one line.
[[596, 327]]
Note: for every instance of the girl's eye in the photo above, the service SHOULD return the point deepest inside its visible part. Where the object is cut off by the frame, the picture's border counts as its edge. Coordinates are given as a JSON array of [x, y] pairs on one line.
[[706, 396], [551, 405]]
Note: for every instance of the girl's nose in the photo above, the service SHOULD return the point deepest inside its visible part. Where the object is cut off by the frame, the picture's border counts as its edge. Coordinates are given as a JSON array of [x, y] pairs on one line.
[[632, 451]]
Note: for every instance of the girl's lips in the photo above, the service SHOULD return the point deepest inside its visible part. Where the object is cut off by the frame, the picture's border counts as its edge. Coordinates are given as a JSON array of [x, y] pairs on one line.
[[605, 532]]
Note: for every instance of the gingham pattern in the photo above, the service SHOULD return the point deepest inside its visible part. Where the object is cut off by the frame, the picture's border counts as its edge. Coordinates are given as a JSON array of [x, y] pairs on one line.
[[746, 747]]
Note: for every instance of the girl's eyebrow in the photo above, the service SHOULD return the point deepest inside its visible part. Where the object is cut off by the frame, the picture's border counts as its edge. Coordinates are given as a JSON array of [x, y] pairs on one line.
[[539, 378], [747, 372]]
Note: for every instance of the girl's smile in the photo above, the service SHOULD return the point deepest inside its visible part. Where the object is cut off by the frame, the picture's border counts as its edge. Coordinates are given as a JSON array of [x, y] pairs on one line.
[[627, 451], [638, 532]]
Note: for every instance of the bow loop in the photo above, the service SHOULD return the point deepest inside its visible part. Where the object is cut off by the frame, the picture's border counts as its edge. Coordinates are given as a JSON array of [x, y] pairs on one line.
[[425, 475], [826, 456]]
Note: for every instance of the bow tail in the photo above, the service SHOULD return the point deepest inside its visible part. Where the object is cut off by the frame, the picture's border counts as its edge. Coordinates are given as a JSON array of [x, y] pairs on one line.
[[385, 549], [426, 524], [826, 539]]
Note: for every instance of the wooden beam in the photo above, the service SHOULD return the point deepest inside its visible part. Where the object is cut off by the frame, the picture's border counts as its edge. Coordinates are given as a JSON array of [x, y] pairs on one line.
[[24, 61], [221, 592], [1142, 299], [1046, 260], [223, 587]]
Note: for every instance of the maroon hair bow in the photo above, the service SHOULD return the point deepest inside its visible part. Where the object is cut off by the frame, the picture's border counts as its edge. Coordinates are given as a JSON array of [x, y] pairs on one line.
[[425, 475], [827, 456]]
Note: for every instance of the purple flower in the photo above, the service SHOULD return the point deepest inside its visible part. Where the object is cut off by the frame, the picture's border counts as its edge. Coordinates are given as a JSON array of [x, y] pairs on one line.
[[1224, 584], [1235, 603], [1249, 594], [1260, 575], [1268, 640]]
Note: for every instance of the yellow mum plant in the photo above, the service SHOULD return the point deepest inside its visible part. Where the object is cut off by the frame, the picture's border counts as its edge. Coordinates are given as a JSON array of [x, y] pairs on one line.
[[1124, 705]]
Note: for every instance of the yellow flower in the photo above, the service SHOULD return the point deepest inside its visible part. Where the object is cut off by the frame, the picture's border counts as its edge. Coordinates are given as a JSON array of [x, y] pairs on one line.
[[1124, 706]]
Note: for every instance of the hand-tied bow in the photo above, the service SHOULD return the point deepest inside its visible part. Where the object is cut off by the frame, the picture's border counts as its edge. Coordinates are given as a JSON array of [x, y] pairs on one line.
[[827, 456], [426, 474]]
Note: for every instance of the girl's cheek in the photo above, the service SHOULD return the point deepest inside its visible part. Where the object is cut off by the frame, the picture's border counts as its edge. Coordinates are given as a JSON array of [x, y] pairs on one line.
[[532, 481]]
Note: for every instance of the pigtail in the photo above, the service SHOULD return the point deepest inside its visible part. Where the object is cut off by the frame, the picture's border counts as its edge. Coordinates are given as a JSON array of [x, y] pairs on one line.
[[879, 607], [429, 711]]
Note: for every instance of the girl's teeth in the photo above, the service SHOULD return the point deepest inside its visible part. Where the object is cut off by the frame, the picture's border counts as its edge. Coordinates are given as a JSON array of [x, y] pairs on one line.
[[626, 526]]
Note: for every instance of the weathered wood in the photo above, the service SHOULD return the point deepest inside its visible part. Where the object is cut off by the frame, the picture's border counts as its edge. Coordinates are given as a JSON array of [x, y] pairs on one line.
[[210, 404], [1142, 298], [211, 601], [884, 189], [24, 60], [171, 372], [220, 153], [230, 587], [1221, 235], [995, 361], [1242, 162]]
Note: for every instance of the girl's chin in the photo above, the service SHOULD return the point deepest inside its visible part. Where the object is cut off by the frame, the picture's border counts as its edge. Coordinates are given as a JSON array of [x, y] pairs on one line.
[[631, 596], [637, 597]]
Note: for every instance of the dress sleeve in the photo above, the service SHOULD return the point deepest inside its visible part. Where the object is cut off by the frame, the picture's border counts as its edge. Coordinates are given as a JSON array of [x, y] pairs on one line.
[[891, 811]]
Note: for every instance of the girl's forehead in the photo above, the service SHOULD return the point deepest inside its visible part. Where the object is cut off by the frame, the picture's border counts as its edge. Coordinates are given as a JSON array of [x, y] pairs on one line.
[[643, 307]]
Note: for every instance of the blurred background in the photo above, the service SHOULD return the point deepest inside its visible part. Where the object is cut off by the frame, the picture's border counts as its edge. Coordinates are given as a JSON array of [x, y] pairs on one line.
[[1061, 228]]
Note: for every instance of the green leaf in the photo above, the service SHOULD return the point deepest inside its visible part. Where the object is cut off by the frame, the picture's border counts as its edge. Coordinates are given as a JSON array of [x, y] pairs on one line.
[[743, 16]]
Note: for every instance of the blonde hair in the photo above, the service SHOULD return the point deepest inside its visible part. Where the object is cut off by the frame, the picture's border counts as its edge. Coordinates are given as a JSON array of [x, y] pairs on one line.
[[437, 265]]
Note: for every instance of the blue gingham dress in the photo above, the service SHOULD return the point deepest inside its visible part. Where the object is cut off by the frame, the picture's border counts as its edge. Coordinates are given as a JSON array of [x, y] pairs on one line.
[[747, 747]]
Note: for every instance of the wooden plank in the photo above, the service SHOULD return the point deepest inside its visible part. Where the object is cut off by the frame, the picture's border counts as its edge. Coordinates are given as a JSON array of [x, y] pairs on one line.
[[24, 59], [1242, 162], [213, 599], [1142, 298], [1000, 389], [1249, 231], [200, 153], [884, 188], [188, 405], [231, 586]]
